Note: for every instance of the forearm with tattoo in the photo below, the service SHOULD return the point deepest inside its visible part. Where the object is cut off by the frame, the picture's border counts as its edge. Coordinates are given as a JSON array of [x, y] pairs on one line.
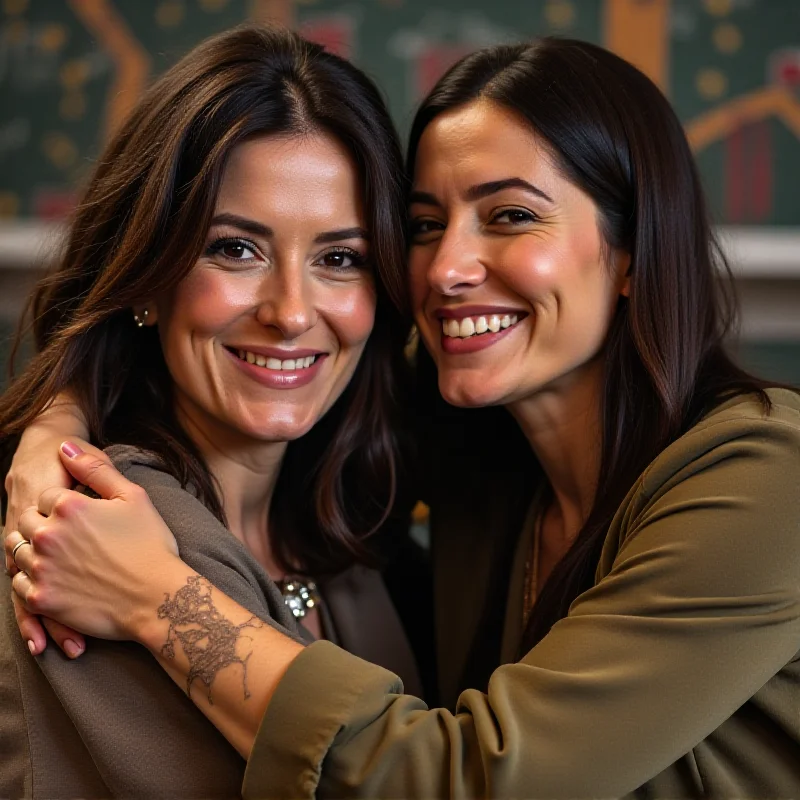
[[208, 639]]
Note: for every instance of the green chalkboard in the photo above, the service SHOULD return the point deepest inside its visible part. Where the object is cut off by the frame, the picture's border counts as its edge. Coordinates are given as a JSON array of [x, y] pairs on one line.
[[732, 68]]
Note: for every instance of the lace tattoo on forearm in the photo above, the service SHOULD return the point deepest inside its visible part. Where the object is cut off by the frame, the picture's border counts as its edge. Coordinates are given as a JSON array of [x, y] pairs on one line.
[[207, 638]]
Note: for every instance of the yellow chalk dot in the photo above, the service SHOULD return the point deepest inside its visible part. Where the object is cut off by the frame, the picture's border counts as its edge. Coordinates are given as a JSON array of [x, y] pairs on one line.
[[74, 73], [711, 83], [213, 5], [727, 38], [170, 14], [72, 105], [560, 13], [9, 204], [60, 150], [52, 37], [718, 8], [14, 7]]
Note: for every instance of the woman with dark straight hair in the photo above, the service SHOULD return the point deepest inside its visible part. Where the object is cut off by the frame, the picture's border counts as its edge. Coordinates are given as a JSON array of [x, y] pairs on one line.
[[614, 510], [227, 319]]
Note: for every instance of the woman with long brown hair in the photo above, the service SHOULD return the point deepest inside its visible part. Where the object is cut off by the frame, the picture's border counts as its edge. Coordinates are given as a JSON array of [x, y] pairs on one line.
[[613, 502], [226, 316]]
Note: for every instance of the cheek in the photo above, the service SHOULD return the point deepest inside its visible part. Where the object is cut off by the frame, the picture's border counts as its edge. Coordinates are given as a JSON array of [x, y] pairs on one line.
[[535, 270], [351, 314], [206, 301]]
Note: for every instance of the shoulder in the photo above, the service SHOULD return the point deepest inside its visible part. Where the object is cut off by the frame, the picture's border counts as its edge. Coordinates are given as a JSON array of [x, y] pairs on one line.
[[179, 506], [719, 506], [741, 430], [140, 466]]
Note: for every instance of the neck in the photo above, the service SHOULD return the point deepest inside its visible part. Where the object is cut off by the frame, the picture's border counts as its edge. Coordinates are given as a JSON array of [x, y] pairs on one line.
[[246, 471], [563, 427]]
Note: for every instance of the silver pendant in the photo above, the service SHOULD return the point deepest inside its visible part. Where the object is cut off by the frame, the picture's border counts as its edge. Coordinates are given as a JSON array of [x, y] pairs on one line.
[[301, 596]]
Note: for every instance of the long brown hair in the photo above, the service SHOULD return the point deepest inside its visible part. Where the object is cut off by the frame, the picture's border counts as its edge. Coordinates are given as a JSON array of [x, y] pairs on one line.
[[139, 230], [615, 136]]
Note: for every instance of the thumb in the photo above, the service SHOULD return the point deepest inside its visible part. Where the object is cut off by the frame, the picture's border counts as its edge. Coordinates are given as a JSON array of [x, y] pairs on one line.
[[94, 470]]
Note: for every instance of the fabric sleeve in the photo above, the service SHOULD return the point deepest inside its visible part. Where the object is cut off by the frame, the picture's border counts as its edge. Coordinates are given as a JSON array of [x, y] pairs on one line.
[[697, 609]]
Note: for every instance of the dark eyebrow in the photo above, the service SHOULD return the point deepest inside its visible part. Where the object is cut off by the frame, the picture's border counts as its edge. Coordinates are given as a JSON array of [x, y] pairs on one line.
[[492, 187], [244, 224], [258, 229], [482, 190], [341, 235], [426, 198]]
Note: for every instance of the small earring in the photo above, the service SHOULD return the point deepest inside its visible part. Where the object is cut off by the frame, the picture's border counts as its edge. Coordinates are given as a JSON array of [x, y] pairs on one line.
[[140, 321]]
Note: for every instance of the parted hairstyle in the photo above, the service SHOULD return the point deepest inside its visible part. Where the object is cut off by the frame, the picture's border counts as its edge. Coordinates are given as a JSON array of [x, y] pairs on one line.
[[139, 230], [615, 136]]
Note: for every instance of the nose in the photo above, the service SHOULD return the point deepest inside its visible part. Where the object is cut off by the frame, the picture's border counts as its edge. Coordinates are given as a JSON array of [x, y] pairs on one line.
[[287, 303], [457, 264]]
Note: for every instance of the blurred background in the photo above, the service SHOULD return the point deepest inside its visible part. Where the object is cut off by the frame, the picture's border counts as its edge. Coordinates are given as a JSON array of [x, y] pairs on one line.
[[71, 69]]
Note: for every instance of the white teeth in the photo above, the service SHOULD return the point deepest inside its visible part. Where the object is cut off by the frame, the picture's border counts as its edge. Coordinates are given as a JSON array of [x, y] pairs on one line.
[[451, 327], [471, 326], [276, 363]]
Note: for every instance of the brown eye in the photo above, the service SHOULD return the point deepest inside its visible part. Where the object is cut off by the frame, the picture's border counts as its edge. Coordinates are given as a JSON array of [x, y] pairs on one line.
[[232, 249], [335, 260], [342, 259], [515, 216]]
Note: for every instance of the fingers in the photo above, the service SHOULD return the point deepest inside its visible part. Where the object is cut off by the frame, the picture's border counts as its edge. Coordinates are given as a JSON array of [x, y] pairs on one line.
[[70, 641], [11, 567], [29, 626], [58, 498], [30, 523], [10, 545], [93, 469]]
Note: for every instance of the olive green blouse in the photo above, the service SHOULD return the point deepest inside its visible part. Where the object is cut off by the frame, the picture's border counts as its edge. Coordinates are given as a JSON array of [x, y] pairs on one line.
[[676, 675]]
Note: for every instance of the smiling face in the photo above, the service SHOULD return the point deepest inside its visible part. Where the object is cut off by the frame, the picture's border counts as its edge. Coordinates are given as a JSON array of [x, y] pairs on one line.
[[266, 331], [511, 283]]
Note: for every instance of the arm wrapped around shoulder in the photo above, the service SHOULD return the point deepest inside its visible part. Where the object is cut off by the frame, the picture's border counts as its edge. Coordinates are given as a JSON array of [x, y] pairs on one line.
[[696, 608]]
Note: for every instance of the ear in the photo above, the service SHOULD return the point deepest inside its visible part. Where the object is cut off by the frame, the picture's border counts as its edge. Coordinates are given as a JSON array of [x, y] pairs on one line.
[[622, 263], [146, 314]]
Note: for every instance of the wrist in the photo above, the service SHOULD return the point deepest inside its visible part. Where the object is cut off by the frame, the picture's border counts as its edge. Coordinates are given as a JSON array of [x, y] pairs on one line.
[[144, 625]]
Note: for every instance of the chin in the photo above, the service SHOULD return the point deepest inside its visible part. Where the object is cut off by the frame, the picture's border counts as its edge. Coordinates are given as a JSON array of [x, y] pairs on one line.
[[286, 429], [470, 393]]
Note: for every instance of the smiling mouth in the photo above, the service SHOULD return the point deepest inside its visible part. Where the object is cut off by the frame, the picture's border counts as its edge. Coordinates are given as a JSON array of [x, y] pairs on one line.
[[468, 327], [277, 364]]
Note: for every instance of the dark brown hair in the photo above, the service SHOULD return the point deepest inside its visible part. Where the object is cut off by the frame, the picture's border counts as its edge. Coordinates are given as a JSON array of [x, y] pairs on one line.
[[615, 136], [141, 227]]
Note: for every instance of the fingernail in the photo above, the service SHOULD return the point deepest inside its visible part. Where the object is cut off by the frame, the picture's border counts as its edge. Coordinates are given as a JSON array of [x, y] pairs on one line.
[[72, 648], [70, 450], [32, 647]]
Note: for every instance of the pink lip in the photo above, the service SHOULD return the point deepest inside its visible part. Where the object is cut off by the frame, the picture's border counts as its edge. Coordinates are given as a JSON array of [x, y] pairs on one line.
[[276, 378], [448, 312], [455, 346], [275, 352]]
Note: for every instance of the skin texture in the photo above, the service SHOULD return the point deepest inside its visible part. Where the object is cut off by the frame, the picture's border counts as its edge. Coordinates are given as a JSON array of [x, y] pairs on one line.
[[284, 289], [286, 267], [537, 251]]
